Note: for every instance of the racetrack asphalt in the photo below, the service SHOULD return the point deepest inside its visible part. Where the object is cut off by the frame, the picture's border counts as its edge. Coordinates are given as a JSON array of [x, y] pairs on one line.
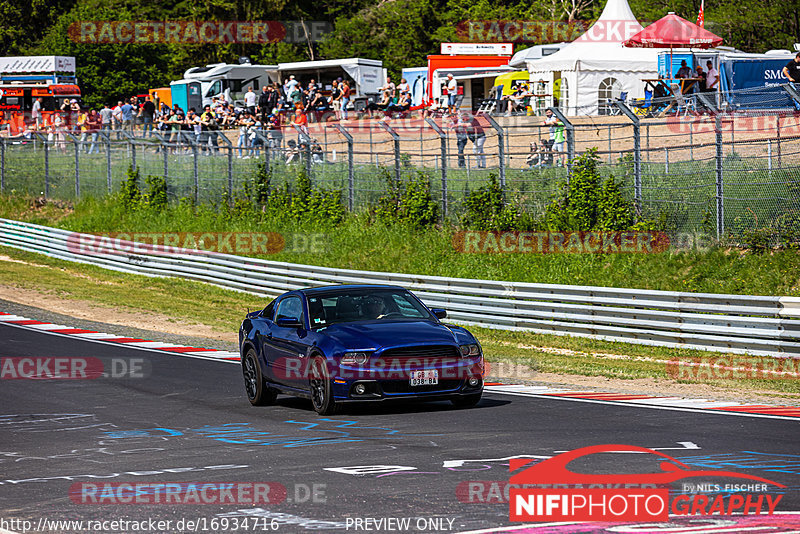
[[188, 420]]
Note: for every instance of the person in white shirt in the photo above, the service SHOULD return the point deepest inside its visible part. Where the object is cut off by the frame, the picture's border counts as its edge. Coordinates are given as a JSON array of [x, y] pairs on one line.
[[36, 112], [712, 77], [403, 86], [452, 92], [250, 99], [116, 114], [289, 86]]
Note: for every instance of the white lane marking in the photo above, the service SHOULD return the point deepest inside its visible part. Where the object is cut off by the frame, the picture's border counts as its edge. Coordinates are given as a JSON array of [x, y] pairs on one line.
[[150, 344], [650, 406], [48, 326], [96, 335], [13, 318]]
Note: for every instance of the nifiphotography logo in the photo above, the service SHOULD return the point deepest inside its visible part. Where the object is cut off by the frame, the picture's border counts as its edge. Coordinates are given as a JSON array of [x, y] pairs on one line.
[[548, 491]]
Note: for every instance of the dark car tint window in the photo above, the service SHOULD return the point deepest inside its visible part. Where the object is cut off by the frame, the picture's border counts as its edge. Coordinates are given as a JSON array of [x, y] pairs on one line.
[[290, 307], [363, 305], [268, 311]]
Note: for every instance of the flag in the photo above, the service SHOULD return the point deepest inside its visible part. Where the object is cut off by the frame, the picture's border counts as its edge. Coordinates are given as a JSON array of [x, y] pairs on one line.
[[701, 16]]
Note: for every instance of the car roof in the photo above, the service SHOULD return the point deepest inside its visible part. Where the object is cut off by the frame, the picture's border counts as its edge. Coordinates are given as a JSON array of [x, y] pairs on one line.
[[326, 289]]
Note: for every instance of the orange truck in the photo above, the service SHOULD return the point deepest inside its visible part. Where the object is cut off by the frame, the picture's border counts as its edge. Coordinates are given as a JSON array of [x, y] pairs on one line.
[[25, 79]]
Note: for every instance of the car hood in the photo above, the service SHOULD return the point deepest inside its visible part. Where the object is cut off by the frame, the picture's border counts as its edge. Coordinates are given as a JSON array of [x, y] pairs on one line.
[[377, 334]]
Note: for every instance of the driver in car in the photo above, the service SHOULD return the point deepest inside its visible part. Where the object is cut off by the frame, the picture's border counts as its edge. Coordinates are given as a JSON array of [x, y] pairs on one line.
[[374, 308]]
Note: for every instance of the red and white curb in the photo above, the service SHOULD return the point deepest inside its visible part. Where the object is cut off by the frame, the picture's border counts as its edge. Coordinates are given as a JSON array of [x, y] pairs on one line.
[[545, 392], [92, 335], [650, 401]]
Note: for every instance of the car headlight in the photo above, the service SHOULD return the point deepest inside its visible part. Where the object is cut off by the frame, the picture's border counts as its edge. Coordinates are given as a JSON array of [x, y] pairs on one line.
[[470, 350], [357, 358]]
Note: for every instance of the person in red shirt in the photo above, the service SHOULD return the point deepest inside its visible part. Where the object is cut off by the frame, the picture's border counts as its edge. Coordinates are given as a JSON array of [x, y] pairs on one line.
[[93, 124], [301, 120]]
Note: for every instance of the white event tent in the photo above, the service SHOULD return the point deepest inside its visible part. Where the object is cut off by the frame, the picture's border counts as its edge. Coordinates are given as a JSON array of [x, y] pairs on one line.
[[596, 67]]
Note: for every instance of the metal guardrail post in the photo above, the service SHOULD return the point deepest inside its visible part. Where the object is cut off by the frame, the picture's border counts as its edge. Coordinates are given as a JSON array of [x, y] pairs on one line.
[[500, 150], [637, 154], [46, 146], [396, 139], [107, 142], [719, 180], [195, 172], [443, 139], [570, 130], [131, 142], [351, 183], [163, 147], [229, 147], [77, 144], [2, 164], [304, 138]]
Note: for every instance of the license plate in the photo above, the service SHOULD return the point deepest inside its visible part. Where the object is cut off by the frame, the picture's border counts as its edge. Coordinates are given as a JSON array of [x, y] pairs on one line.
[[428, 377]]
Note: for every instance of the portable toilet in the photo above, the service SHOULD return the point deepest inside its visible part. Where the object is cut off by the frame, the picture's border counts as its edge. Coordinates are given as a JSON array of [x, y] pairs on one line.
[[186, 94]]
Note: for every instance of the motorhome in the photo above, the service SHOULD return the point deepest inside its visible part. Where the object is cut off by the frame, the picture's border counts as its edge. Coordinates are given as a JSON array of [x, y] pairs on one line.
[[230, 80]]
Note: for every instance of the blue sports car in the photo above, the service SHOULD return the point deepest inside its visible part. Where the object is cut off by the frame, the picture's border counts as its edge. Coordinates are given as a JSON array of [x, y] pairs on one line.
[[357, 343]]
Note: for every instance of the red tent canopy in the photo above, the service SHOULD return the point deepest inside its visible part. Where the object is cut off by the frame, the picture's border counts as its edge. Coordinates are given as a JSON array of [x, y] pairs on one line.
[[673, 31]]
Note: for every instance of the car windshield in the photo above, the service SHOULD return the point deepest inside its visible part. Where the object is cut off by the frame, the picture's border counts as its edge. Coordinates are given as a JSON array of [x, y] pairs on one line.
[[349, 305]]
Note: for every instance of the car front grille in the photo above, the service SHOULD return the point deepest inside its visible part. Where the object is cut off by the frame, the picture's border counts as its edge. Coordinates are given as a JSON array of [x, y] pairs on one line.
[[415, 356]]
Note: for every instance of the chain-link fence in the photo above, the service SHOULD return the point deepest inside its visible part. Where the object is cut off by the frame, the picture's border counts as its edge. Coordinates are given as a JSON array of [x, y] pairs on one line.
[[718, 174]]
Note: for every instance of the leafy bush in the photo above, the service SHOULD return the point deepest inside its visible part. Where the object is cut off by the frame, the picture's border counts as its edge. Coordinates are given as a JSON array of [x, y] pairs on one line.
[[486, 209], [303, 203], [129, 195], [156, 196], [589, 203], [408, 202]]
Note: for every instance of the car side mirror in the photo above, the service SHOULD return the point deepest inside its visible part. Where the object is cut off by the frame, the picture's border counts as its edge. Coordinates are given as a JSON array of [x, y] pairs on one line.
[[440, 313], [288, 322]]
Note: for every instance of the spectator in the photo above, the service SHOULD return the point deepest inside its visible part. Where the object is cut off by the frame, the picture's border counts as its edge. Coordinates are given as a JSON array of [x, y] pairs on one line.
[[792, 69], [127, 117], [556, 134], [452, 93], [289, 86], [147, 113], [534, 158], [263, 103], [345, 98], [477, 135], [684, 71], [275, 133], [93, 124], [389, 86], [460, 126], [83, 116], [336, 99], [36, 112], [383, 105], [244, 124], [208, 128], [712, 77], [250, 99], [700, 86], [301, 120], [403, 87], [106, 116]]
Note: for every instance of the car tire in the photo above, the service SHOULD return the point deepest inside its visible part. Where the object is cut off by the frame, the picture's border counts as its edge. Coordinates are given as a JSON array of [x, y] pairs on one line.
[[467, 401], [320, 385], [258, 392]]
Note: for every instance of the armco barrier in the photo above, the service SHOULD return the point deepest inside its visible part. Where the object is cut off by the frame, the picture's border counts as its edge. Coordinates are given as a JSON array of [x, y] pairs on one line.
[[761, 325]]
